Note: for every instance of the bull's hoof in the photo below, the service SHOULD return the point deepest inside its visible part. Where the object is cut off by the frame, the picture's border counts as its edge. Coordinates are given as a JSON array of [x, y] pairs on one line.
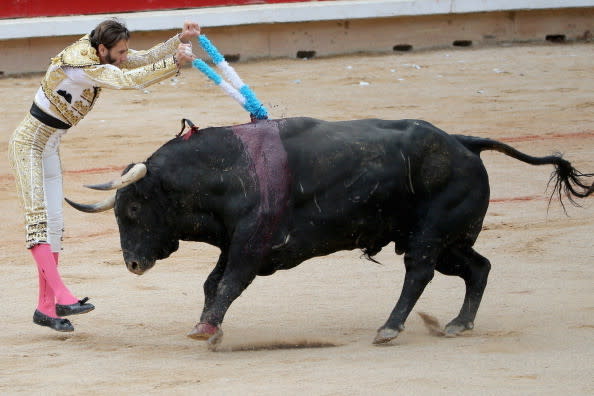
[[454, 328], [203, 331], [385, 335]]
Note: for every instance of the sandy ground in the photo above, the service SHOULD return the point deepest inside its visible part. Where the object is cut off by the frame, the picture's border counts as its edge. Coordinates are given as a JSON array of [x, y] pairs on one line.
[[534, 332]]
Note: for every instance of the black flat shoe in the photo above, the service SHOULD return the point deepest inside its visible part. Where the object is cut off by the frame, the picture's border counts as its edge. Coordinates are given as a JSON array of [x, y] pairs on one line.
[[79, 307], [57, 324]]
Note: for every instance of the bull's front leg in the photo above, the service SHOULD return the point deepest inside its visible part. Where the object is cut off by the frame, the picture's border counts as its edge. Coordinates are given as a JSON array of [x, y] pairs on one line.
[[203, 330], [226, 283], [212, 282]]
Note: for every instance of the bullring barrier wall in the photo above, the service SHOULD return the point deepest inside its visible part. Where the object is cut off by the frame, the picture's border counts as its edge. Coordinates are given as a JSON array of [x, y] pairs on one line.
[[314, 28]]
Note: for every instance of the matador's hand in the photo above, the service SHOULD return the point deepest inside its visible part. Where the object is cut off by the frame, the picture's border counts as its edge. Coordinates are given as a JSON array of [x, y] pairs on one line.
[[189, 31], [184, 54]]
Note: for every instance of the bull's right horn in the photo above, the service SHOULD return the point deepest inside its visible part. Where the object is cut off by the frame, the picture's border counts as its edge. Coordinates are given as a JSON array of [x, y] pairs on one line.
[[134, 174], [93, 208]]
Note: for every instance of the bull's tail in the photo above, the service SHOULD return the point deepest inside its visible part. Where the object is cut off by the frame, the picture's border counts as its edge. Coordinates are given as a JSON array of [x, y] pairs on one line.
[[567, 180]]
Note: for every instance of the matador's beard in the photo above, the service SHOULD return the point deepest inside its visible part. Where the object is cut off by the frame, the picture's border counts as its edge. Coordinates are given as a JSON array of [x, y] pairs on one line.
[[110, 60]]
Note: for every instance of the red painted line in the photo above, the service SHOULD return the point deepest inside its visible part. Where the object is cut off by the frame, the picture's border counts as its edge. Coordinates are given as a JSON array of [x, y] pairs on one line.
[[94, 170], [518, 199], [96, 234], [527, 138]]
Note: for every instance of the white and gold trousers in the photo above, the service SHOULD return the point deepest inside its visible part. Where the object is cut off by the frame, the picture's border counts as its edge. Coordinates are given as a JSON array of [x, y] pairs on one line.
[[35, 159]]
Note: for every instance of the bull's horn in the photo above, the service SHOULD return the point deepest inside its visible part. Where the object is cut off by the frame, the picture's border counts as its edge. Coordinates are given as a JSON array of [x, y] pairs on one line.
[[134, 174], [93, 208]]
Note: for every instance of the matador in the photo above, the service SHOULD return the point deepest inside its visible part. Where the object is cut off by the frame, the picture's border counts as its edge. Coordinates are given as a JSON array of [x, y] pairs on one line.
[[68, 91]]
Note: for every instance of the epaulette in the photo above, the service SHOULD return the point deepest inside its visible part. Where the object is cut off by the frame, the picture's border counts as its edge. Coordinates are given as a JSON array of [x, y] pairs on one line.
[[79, 54]]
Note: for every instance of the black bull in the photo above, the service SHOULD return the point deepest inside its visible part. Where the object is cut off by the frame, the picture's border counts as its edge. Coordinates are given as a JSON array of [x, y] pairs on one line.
[[272, 194]]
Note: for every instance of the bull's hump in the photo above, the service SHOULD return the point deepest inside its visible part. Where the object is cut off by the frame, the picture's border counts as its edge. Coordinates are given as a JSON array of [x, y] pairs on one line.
[[261, 138]]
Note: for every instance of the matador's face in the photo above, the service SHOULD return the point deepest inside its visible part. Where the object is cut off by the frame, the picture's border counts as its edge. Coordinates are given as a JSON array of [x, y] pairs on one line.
[[116, 55]]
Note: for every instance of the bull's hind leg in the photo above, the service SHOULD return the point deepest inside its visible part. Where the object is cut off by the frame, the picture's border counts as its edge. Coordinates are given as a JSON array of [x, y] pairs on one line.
[[419, 262], [474, 269]]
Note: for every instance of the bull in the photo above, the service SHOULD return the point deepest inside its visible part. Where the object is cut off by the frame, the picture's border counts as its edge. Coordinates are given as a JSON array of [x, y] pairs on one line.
[[271, 194]]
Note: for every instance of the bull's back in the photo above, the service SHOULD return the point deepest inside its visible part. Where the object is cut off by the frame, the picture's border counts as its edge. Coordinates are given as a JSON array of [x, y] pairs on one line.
[[355, 183], [351, 157]]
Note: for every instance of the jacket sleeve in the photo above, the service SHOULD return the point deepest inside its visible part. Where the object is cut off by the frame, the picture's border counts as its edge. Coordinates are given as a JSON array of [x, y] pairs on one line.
[[109, 76], [142, 58]]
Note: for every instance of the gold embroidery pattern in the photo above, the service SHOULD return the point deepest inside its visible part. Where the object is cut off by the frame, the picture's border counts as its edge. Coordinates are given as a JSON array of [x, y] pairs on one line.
[[97, 92], [60, 106], [82, 55], [109, 77], [142, 58], [91, 95], [49, 85], [79, 54], [25, 152], [88, 95], [81, 107]]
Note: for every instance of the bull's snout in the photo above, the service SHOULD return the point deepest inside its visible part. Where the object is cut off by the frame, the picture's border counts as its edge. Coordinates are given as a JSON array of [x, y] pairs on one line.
[[137, 267], [134, 267]]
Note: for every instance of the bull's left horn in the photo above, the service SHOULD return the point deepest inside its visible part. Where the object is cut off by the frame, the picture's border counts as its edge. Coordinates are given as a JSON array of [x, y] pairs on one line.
[[93, 208], [134, 174]]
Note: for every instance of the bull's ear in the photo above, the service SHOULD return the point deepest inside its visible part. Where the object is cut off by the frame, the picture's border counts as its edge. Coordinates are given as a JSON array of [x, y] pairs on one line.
[[133, 174], [93, 208]]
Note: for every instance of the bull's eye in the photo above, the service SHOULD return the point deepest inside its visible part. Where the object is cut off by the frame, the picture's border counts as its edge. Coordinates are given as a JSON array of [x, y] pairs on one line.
[[133, 210]]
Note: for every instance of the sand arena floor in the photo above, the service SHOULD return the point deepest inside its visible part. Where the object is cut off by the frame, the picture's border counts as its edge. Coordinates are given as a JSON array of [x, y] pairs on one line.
[[534, 330]]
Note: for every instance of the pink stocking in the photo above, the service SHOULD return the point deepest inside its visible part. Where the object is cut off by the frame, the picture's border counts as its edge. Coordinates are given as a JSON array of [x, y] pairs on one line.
[[47, 268], [46, 302]]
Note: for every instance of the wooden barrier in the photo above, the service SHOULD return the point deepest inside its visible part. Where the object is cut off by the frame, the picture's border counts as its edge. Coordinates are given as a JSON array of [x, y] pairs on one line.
[[328, 28]]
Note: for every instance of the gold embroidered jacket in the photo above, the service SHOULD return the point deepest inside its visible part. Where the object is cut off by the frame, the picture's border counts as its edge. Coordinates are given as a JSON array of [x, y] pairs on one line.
[[75, 76]]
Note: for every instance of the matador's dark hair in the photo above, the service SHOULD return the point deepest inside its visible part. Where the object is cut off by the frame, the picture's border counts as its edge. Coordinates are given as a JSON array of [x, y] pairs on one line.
[[109, 33]]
